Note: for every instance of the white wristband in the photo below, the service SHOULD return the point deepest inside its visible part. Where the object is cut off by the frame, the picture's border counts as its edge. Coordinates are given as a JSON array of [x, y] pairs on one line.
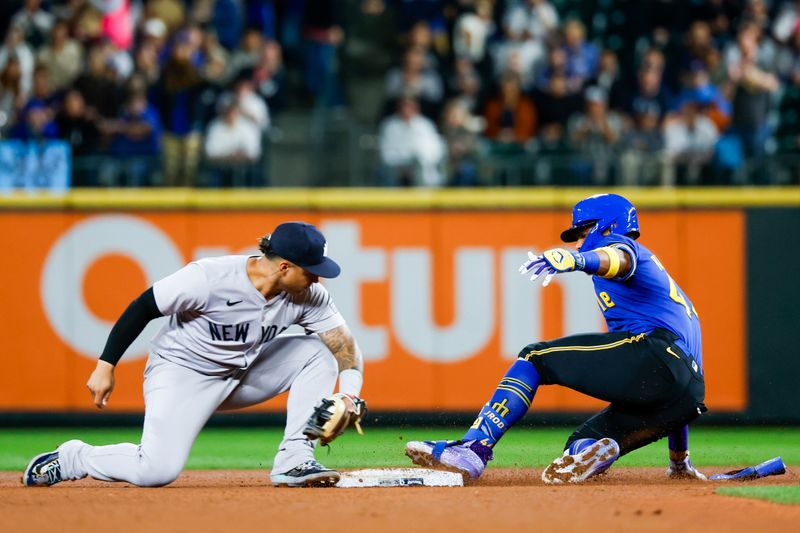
[[350, 381]]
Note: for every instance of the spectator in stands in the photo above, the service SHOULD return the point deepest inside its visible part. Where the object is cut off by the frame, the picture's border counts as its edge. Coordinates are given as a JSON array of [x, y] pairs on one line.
[[42, 92], [609, 78], [432, 12], [249, 103], [649, 91], [84, 20], [641, 148], [537, 19], [414, 79], [472, 32], [62, 57], [699, 45], [653, 58], [233, 146], [792, 71], [116, 22], [582, 56], [269, 76], [411, 149], [227, 22], [556, 65], [594, 134], [35, 123], [171, 12], [420, 38], [751, 84], [765, 53], [262, 14], [788, 56], [698, 87], [181, 108], [12, 98], [460, 130], [520, 52], [756, 12], [154, 32], [135, 144], [34, 22], [78, 125], [689, 141], [247, 55], [786, 21], [718, 14], [511, 117], [323, 33], [213, 60], [555, 106], [15, 45], [145, 62], [465, 83], [98, 84]]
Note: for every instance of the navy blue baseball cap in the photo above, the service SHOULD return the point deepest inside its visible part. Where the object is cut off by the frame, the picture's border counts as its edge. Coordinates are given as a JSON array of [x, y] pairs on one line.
[[305, 246]]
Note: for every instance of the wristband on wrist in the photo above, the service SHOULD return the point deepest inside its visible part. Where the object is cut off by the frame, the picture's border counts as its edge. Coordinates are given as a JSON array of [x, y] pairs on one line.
[[350, 381], [588, 262]]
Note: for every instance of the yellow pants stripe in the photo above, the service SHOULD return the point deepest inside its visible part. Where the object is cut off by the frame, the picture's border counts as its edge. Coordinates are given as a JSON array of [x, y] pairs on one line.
[[599, 347], [520, 383], [515, 391]]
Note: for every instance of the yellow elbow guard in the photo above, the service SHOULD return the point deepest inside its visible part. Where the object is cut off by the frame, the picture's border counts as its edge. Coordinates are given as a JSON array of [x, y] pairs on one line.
[[613, 257]]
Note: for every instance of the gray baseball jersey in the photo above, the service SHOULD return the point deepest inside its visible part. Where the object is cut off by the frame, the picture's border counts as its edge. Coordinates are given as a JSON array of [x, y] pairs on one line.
[[219, 322]]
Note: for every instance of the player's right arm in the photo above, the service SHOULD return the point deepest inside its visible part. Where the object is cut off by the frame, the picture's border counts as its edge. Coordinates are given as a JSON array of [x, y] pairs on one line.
[[183, 290], [129, 325], [616, 261]]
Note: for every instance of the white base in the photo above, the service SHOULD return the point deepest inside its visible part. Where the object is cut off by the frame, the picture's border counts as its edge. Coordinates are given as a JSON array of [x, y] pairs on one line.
[[399, 477]]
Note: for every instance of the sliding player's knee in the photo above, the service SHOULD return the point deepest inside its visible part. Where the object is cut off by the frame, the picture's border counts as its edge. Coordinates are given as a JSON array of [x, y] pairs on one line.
[[532, 354], [530, 351]]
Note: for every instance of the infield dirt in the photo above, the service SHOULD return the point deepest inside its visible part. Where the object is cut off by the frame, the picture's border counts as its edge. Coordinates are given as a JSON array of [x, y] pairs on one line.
[[627, 499]]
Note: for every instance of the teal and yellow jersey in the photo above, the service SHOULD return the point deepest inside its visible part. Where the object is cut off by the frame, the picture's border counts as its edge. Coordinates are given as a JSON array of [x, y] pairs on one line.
[[647, 298]]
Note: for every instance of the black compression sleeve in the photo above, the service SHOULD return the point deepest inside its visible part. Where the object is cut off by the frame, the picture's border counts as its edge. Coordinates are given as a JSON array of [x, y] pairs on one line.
[[141, 311]]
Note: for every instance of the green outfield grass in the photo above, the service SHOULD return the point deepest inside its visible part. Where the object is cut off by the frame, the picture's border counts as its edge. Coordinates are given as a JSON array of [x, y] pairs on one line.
[[221, 448], [779, 494]]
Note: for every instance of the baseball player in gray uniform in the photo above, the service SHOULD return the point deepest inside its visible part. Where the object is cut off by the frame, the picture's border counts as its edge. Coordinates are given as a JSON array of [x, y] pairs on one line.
[[224, 348]]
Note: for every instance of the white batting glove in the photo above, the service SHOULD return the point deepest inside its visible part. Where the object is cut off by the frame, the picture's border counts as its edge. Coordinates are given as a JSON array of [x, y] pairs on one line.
[[551, 262]]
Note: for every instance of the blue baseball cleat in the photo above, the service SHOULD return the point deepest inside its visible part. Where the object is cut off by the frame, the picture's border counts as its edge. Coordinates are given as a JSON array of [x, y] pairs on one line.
[[467, 458], [43, 470], [588, 462]]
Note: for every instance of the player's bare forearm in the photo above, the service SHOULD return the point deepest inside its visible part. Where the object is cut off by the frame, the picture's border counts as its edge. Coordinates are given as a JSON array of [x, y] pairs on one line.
[[343, 347], [101, 383]]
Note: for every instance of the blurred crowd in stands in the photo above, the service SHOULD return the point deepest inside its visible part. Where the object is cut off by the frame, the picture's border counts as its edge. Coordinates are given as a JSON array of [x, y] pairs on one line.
[[579, 92]]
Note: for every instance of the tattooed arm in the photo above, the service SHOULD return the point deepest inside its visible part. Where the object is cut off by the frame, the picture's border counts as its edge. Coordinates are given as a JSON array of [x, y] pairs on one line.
[[347, 353]]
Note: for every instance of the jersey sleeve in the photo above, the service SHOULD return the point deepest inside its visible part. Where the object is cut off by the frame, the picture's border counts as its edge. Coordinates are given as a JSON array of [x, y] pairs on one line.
[[626, 244], [185, 290], [319, 312]]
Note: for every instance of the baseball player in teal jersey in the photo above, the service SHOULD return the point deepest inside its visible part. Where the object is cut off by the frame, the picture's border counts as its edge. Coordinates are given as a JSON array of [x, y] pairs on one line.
[[648, 366]]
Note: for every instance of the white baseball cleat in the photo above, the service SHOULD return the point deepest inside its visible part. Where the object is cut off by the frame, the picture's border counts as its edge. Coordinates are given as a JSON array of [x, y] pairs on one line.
[[308, 474], [591, 461]]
